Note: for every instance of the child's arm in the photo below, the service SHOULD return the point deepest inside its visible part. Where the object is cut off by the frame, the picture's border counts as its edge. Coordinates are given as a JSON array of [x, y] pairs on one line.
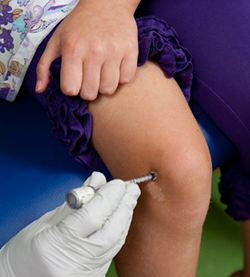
[[99, 48]]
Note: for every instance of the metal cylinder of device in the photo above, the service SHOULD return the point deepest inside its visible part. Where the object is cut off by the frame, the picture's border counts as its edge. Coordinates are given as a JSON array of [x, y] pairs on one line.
[[75, 198]]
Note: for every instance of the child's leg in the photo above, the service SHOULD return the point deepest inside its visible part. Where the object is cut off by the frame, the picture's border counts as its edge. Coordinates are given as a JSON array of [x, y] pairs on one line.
[[246, 239], [146, 125], [234, 188]]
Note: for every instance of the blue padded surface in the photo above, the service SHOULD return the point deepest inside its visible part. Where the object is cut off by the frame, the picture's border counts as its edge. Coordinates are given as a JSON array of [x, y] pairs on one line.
[[220, 147], [36, 170]]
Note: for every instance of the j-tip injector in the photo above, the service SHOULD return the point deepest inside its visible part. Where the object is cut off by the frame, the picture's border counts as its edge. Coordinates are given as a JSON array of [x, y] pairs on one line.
[[77, 197]]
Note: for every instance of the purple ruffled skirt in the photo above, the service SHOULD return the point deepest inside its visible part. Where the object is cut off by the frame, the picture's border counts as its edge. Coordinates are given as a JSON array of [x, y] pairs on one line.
[[72, 122], [217, 35]]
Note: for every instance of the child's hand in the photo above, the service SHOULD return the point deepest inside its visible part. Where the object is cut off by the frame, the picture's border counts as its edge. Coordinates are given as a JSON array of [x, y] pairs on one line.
[[99, 49]]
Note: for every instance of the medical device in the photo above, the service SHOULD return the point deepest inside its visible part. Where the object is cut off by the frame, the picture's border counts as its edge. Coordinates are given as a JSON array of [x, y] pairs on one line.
[[75, 198]]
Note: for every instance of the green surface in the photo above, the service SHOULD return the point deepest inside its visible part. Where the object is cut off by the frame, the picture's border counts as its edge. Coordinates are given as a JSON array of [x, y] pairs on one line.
[[221, 247]]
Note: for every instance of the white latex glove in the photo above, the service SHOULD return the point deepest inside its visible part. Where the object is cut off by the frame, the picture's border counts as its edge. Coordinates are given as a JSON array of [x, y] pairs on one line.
[[79, 243]]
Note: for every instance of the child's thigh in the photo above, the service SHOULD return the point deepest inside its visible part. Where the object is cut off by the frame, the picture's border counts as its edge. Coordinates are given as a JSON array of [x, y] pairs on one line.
[[146, 124]]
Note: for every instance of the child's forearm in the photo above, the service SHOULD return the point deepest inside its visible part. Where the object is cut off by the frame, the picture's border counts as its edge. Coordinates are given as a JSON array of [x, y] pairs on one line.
[[131, 5]]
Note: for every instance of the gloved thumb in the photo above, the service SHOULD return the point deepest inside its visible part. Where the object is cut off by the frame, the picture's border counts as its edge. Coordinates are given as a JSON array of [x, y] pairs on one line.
[[97, 179], [91, 216]]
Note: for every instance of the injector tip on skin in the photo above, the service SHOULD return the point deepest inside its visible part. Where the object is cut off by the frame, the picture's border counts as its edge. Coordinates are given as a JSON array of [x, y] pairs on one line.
[[154, 175]]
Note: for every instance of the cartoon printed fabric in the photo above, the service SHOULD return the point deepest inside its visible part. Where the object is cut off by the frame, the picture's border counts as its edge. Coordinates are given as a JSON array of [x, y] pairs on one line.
[[23, 26]]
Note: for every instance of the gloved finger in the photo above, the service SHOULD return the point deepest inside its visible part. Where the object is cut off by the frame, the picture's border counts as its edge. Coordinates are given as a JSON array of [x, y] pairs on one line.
[[91, 217], [48, 220], [117, 225], [57, 215], [97, 179]]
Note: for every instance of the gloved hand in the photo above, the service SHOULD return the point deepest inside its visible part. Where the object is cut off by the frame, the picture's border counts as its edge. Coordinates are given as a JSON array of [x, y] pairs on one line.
[[79, 243]]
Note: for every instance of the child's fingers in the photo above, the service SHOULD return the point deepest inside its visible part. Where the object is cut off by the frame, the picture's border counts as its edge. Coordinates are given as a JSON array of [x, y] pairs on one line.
[[91, 79], [110, 76], [51, 53], [128, 67], [71, 73]]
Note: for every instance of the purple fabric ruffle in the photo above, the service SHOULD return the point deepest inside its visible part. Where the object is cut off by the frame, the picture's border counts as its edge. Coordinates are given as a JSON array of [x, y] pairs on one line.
[[235, 190], [159, 42], [72, 120]]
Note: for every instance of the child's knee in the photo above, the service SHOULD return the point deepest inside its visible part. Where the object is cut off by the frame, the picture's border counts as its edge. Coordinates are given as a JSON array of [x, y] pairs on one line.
[[181, 195]]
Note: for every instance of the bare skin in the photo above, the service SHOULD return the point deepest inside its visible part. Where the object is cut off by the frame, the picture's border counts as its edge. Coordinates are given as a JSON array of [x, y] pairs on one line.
[[238, 274], [146, 125], [93, 61], [246, 238]]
